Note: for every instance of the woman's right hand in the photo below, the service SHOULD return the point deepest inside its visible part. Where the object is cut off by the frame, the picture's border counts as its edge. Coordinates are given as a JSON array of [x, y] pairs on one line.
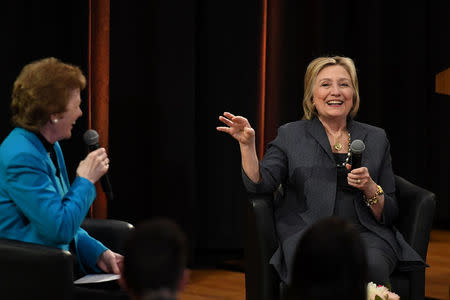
[[238, 127], [94, 166]]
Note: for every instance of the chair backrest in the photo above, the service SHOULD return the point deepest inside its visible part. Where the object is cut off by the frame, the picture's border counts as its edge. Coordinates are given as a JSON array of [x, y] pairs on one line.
[[261, 279], [112, 233], [31, 271], [416, 212]]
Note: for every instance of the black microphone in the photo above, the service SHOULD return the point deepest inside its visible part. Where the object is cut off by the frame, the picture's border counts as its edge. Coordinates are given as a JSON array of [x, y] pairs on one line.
[[356, 149], [90, 138]]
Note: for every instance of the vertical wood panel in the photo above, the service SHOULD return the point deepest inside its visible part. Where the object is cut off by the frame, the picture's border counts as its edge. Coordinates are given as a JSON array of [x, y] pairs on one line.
[[443, 82], [99, 20], [262, 83], [274, 73]]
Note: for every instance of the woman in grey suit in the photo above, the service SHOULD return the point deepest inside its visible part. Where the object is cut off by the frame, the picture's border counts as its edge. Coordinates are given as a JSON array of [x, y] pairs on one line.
[[312, 162]]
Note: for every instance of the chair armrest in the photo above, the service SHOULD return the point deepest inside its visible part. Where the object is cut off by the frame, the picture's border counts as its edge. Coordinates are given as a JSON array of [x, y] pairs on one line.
[[31, 271], [416, 206], [112, 233], [261, 279]]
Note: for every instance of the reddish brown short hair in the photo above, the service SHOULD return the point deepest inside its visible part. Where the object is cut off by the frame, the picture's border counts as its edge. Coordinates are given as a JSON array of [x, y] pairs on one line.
[[41, 89]]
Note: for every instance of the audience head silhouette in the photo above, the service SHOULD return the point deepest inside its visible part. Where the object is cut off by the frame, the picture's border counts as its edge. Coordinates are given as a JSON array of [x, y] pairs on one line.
[[330, 263], [155, 260]]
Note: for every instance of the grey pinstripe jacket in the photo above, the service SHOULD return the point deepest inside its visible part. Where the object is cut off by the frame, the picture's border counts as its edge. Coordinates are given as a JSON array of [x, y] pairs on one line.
[[300, 159]]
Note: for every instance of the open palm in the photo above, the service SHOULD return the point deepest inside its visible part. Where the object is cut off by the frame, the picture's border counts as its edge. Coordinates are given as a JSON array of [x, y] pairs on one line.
[[238, 127]]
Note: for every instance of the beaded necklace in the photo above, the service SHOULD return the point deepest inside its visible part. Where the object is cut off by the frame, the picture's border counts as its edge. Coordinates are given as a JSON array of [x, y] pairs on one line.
[[348, 153]]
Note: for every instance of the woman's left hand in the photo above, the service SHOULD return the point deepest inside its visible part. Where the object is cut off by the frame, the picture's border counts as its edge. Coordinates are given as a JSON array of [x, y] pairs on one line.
[[110, 262], [360, 179]]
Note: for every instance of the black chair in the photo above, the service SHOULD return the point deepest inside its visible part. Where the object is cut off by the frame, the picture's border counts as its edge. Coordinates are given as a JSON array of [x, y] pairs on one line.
[[31, 271], [416, 206]]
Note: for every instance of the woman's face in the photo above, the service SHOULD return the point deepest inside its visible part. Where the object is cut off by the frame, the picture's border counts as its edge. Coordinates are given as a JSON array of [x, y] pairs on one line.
[[66, 120], [333, 93]]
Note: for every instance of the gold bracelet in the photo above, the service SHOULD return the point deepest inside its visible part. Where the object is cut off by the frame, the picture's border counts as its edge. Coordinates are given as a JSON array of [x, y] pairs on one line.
[[374, 200]]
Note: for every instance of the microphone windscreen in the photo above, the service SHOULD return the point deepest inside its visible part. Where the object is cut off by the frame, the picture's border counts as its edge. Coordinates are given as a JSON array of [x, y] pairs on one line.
[[90, 137], [357, 147]]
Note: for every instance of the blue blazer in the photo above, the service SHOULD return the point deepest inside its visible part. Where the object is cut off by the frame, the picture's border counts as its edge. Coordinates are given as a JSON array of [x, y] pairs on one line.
[[37, 206], [300, 158]]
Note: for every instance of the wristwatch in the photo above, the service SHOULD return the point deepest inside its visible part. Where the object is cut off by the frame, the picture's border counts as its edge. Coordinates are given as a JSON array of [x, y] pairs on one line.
[[374, 200]]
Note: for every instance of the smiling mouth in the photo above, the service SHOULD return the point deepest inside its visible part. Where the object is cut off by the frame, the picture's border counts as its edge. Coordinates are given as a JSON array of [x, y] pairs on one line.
[[335, 102]]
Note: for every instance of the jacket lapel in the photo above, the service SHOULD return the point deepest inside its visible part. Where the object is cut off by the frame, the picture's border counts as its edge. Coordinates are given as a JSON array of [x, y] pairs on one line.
[[46, 157], [317, 131], [62, 169], [358, 132]]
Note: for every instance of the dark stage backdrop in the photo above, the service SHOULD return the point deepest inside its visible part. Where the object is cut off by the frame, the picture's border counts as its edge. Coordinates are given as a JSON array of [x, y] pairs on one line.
[[176, 65]]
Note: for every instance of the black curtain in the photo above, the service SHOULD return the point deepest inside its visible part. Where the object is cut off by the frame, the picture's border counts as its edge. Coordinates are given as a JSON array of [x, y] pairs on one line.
[[152, 111], [175, 66], [228, 48]]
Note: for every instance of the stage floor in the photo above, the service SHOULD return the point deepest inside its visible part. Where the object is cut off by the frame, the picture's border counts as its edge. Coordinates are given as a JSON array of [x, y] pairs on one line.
[[228, 285]]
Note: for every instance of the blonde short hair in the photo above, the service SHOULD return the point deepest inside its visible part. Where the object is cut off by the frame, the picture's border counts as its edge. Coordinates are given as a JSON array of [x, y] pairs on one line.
[[313, 70], [41, 89]]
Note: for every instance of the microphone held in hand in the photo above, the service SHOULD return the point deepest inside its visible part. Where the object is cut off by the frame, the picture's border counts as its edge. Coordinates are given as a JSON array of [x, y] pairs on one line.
[[91, 138], [356, 149]]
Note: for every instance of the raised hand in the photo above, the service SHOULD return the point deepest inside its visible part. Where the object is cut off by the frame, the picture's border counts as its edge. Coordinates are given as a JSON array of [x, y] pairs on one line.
[[238, 127]]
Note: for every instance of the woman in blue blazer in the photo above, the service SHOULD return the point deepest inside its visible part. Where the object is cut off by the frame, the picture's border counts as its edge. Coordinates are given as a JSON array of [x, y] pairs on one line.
[[311, 160], [37, 202]]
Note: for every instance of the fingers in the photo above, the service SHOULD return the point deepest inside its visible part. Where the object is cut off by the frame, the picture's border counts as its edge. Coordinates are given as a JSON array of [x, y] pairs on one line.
[[234, 123], [116, 260], [119, 261], [359, 171], [231, 121], [224, 129], [240, 120], [238, 127], [355, 177], [225, 121], [115, 267], [109, 262], [94, 166], [99, 153], [359, 178], [100, 157], [356, 181], [228, 115]]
